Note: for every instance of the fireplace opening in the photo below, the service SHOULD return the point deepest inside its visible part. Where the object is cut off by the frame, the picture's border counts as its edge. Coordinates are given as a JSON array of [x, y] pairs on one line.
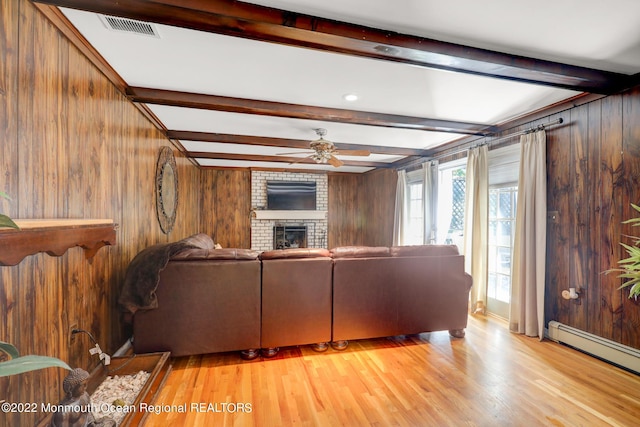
[[289, 236]]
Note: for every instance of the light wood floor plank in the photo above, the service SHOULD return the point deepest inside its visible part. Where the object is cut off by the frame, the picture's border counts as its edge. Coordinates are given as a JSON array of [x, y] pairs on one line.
[[489, 378]]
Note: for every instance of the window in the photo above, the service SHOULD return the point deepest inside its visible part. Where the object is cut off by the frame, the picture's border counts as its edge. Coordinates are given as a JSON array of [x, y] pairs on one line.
[[451, 194], [415, 231], [502, 206], [450, 206], [416, 223], [504, 167]]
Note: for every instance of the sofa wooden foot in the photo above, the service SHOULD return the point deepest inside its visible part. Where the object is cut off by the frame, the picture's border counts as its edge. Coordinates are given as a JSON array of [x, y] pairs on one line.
[[270, 352], [340, 345], [457, 333], [250, 354], [320, 347]]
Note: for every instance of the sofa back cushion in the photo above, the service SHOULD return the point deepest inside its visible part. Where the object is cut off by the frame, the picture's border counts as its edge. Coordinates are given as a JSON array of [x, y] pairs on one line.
[[364, 298], [359, 252], [196, 254], [208, 306], [424, 250], [296, 300], [295, 253]]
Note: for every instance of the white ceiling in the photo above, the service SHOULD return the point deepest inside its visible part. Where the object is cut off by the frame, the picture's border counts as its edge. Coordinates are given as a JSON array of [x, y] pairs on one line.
[[586, 33]]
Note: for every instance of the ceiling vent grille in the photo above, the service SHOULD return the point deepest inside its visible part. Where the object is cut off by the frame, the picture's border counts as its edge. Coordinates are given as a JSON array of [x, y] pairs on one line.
[[116, 23]]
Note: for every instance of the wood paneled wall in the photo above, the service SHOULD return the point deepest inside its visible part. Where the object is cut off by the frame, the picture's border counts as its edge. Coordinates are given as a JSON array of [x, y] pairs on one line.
[[226, 205], [378, 196], [593, 173], [361, 208], [345, 216], [72, 147]]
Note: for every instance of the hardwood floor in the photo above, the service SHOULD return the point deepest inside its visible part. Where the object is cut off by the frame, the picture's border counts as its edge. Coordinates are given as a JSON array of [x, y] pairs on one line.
[[489, 378]]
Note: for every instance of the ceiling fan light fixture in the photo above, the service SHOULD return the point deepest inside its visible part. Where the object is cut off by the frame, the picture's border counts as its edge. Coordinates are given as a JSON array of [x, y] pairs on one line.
[[321, 157]]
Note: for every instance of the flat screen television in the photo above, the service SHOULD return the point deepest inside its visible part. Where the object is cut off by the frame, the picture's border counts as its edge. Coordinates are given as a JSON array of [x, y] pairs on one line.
[[290, 195]]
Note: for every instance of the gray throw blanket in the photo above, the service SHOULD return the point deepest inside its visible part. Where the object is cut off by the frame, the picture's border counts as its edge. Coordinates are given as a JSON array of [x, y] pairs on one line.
[[143, 273]]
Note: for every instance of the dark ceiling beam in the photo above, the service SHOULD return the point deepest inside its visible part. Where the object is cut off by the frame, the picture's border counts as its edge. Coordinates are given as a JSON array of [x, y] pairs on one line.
[[283, 142], [281, 159], [233, 18], [278, 109]]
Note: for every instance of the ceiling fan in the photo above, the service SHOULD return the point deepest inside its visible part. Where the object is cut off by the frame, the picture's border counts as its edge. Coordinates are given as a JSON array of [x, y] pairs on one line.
[[325, 151]]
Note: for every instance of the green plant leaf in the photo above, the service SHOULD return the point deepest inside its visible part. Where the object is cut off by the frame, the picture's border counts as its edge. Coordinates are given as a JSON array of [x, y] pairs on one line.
[[5, 195], [629, 267], [9, 349], [5, 221], [30, 363]]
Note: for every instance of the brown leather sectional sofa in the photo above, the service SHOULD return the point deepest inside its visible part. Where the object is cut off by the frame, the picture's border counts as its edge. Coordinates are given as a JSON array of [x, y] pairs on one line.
[[238, 300]]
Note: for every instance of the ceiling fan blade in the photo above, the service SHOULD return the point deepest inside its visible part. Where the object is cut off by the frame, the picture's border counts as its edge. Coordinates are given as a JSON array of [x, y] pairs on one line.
[[334, 161], [301, 160], [353, 152], [297, 152]]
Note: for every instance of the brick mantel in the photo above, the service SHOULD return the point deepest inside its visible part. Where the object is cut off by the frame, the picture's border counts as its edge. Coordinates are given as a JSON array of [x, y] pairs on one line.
[[263, 221]]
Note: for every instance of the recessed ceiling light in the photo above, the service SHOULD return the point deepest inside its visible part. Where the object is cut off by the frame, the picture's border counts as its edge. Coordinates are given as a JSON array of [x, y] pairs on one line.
[[350, 97]]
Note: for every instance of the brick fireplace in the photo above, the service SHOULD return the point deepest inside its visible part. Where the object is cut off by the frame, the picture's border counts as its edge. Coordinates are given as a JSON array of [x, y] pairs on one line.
[[289, 236], [264, 223]]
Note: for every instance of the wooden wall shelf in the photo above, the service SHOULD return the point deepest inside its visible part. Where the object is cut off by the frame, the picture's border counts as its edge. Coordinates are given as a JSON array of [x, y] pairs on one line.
[[55, 237]]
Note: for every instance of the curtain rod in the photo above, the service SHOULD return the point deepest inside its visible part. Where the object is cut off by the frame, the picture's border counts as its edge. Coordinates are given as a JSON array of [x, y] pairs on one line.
[[469, 145], [502, 138], [530, 130]]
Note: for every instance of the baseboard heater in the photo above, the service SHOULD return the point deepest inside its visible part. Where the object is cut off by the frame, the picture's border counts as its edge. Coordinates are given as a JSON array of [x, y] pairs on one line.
[[611, 351]]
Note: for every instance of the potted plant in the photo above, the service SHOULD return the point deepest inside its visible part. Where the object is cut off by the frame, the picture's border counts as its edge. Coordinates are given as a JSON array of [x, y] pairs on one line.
[[630, 266], [11, 363], [5, 221]]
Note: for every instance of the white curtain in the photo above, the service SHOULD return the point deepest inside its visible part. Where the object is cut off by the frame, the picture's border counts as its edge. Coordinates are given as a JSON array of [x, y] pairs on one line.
[[476, 225], [527, 288], [401, 220], [430, 201]]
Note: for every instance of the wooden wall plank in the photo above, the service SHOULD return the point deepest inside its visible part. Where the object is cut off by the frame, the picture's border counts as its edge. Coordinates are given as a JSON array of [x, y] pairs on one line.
[[580, 207], [208, 179], [611, 217], [594, 288]]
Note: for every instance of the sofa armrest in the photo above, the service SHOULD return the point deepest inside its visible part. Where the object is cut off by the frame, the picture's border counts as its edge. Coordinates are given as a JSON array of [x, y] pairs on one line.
[[468, 280]]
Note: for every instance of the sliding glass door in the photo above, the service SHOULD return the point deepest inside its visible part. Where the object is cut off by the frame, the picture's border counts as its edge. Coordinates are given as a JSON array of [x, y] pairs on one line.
[[502, 207]]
